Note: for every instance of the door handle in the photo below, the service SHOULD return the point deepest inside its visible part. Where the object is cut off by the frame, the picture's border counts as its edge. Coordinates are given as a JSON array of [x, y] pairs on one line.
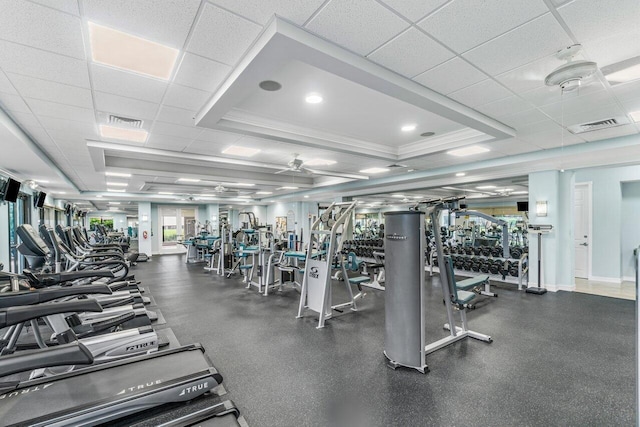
[[584, 244]]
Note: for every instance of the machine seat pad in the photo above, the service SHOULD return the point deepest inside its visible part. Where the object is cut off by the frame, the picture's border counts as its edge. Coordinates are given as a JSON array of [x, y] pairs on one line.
[[472, 282], [464, 297], [359, 279], [246, 267]]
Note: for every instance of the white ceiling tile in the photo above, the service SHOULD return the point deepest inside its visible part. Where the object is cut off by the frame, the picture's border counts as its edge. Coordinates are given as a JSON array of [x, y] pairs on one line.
[[13, 103], [609, 133], [536, 39], [209, 135], [205, 148], [578, 104], [123, 83], [128, 107], [166, 142], [615, 48], [411, 53], [32, 62], [61, 111], [40, 136], [176, 115], [551, 138], [261, 11], [359, 25], [631, 105], [167, 23], [504, 107], [480, 93], [186, 97], [42, 27], [549, 94], [596, 19], [69, 6], [30, 87], [69, 130], [221, 35], [6, 86], [176, 130], [464, 24], [414, 9], [597, 113], [451, 76], [25, 120], [201, 73], [529, 76], [524, 118], [627, 91]]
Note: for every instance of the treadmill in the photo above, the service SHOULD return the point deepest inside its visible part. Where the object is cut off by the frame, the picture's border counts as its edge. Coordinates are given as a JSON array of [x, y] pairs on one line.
[[101, 393]]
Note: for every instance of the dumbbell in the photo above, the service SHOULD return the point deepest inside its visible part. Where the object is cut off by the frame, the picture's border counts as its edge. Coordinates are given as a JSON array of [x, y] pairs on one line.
[[516, 252], [495, 267], [484, 267], [486, 250]]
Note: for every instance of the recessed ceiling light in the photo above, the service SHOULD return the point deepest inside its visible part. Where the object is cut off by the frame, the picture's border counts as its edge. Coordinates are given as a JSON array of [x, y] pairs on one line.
[[236, 150], [113, 203], [460, 174], [625, 75], [374, 170], [270, 85], [128, 52], [59, 192], [635, 115], [398, 196], [313, 98], [408, 128], [306, 196], [244, 196], [486, 187], [188, 180], [134, 135], [117, 184], [165, 193], [41, 181], [99, 196], [123, 175], [243, 184], [319, 162], [504, 190], [520, 192], [116, 190], [286, 187], [410, 170], [264, 192], [468, 151]]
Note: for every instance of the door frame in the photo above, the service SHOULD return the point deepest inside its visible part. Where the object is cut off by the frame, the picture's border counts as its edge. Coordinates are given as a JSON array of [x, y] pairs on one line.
[[589, 187]]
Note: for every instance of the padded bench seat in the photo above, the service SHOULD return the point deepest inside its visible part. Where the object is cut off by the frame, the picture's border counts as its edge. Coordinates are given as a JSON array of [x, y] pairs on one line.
[[246, 267], [464, 297], [358, 280], [472, 282]]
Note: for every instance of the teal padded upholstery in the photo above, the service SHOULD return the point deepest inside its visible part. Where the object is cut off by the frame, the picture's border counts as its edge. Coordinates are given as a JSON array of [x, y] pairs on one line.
[[472, 282], [246, 267], [460, 296], [358, 280]]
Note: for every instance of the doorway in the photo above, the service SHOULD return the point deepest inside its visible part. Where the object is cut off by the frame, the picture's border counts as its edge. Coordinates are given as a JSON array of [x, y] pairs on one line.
[[177, 225], [582, 230]]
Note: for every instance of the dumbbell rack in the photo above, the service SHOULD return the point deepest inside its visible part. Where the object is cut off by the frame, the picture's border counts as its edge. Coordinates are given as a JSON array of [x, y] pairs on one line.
[[520, 279]]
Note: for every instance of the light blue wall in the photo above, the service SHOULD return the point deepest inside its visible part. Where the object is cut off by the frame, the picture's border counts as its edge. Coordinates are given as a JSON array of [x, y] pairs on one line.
[[145, 220], [630, 230], [607, 222], [556, 188]]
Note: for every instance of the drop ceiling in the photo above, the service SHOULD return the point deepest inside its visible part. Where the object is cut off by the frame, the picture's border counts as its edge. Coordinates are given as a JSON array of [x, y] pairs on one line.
[[472, 72]]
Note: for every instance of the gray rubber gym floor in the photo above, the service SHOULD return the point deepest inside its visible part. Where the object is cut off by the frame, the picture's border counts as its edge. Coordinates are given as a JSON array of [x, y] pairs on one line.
[[558, 359]]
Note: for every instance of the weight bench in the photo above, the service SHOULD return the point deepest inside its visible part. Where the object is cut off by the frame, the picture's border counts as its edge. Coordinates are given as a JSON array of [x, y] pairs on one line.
[[475, 283], [353, 265]]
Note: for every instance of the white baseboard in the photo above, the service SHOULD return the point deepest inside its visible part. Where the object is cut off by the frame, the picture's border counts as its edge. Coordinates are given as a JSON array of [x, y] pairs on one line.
[[556, 288], [628, 279], [606, 279]]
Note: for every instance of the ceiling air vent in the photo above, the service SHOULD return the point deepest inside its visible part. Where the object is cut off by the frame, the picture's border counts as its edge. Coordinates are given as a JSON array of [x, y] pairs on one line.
[[600, 124], [396, 165], [125, 122]]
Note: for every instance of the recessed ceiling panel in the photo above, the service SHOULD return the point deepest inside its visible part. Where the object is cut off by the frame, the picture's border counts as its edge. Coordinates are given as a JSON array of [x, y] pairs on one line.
[[348, 109]]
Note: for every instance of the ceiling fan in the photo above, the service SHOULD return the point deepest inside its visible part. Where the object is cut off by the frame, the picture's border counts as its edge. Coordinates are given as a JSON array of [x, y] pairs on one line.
[[297, 165]]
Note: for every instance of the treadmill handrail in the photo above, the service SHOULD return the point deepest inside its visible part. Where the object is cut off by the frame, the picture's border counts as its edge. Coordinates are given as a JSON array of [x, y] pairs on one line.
[[50, 279], [74, 353], [38, 296], [15, 315]]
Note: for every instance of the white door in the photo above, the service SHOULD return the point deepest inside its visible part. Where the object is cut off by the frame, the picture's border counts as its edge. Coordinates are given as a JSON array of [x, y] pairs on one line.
[[582, 225]]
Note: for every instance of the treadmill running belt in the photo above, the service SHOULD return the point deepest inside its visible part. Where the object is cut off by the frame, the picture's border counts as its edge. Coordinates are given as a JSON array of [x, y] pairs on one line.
[[112, 390]]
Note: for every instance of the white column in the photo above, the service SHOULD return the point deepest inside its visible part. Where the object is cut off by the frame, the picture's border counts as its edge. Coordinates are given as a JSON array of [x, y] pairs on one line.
[[144, 220]]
